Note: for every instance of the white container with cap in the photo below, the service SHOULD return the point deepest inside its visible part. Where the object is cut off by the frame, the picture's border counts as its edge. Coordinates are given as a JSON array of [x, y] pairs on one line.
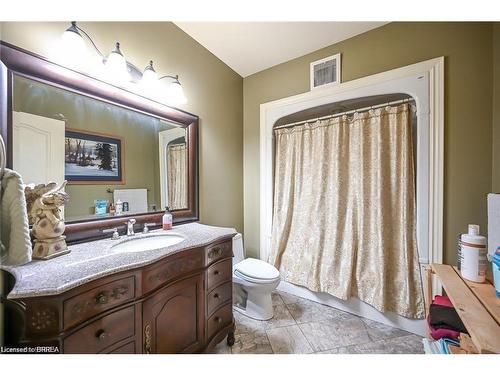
[[473, 255], [118, 207]]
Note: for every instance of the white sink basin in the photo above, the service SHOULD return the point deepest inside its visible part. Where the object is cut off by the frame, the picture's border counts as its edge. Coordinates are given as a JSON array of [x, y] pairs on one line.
[[153, 242]]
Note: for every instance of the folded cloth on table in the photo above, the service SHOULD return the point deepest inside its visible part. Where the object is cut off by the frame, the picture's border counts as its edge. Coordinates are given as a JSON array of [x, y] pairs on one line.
[[442, 301], [445, 317], [438, 333]]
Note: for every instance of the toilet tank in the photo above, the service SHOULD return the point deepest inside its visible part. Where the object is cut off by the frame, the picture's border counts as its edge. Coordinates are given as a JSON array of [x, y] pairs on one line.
[[238, 251]]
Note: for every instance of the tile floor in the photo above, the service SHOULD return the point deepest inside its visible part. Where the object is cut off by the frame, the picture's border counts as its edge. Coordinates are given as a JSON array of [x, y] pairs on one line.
[[301, 326]]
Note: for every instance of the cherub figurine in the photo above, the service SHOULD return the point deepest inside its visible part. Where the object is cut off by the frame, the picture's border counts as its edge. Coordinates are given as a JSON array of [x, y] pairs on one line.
[[43, 203]]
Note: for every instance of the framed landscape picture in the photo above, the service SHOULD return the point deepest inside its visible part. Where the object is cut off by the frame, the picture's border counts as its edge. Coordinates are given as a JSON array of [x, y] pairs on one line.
[[92, 158]]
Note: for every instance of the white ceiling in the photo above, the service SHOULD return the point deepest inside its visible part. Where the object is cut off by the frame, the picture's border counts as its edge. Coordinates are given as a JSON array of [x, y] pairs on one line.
[[249, 47]]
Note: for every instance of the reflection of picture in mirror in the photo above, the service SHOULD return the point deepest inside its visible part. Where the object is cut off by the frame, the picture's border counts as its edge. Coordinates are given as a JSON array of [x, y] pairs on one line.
[[92, 157]]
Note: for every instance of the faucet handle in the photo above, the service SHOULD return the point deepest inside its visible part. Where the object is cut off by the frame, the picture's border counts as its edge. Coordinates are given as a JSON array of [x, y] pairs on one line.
[[146, 226], [115, 235]]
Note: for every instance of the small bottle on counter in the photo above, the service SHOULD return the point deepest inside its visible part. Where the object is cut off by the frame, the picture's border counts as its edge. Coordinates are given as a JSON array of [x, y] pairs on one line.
[[473, 255], [118, 207], [167, 219]]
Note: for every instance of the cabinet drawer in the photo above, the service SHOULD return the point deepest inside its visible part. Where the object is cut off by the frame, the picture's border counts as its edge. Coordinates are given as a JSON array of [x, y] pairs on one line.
[[219, 319], [90, 303], [171, 268], [128, 348], [219, 272], [102, 333], [219, 296], [219, 251]]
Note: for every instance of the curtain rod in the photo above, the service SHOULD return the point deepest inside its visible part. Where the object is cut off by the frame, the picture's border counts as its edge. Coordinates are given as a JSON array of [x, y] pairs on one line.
[[346, 113]]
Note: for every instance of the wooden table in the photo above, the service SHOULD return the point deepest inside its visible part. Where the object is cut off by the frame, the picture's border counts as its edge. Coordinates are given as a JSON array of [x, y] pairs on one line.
[[476, 304]]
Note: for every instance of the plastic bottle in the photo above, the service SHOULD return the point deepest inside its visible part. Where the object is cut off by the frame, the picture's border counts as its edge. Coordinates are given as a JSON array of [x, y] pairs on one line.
[[167, 219], [118, 207], [473, 254], [459, 253]]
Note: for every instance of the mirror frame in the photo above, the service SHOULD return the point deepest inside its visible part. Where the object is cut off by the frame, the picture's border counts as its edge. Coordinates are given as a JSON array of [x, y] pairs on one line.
[[17, 61]]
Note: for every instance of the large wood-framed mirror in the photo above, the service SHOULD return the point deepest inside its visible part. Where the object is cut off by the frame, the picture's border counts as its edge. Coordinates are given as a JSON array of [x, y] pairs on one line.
[[110, 144]]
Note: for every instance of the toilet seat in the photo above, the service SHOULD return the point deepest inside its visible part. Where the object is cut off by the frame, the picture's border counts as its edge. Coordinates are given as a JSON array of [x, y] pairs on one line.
[[256, 271]]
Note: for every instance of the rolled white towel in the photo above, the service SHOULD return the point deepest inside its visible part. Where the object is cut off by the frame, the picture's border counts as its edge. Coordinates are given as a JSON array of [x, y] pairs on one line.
[[14, 226]]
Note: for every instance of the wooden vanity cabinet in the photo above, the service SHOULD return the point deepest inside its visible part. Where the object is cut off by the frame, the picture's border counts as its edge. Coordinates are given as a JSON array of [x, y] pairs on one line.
[[182, 303], [173, 318]]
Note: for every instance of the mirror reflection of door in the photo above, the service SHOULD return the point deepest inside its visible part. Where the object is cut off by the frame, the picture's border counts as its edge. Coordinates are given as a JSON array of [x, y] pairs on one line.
[[173, 168], [38, 148]]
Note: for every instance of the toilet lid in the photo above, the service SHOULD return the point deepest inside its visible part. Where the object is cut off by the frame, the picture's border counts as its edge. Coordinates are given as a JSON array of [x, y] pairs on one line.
[[257, 269]]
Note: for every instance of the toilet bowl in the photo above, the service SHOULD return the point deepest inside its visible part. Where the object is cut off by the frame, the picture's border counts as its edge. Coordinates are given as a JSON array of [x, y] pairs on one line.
[[254, 280]]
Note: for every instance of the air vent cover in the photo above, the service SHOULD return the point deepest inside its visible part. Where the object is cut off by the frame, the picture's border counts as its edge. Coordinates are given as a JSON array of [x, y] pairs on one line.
[[325, 72]]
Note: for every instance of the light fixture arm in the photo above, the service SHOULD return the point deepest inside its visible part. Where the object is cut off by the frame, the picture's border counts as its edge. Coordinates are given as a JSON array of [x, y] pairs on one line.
[[73, 23], [175, 78]]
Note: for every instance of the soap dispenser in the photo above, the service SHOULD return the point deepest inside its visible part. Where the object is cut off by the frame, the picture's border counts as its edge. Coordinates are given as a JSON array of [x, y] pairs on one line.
[[167, 219]]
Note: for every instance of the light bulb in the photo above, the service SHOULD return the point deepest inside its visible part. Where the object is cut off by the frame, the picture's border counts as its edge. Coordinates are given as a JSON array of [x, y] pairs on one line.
[[176, 94], [72, 51], [149, 76], [116, 66]]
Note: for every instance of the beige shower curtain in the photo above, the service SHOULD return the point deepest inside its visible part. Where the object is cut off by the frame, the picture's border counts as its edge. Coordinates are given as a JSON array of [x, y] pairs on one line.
[[344, 209], [177, 176]]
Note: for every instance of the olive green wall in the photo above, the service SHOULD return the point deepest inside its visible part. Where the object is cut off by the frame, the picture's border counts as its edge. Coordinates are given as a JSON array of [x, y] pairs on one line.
[[138, 133], [467, 48], [496, 107], [214, 93]]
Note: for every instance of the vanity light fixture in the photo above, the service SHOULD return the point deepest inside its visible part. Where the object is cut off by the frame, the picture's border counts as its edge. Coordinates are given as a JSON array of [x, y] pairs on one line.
[[176, 92], [73, 37], [149, 75], [116, 65], [150, 80], [120, 71]]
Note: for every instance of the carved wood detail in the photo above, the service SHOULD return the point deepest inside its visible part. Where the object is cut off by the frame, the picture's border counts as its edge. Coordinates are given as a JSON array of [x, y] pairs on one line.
[[147, 339], [103, 298], [176, 267], [43, 319]]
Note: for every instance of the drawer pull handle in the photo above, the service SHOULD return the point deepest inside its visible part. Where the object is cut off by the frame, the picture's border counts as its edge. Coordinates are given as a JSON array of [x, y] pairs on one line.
[[218, 320], [216, 296], [101, 335], [216, 272], [102, 298]]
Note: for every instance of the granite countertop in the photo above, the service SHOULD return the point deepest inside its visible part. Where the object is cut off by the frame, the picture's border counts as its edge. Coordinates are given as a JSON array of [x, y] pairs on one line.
[[92, 260]]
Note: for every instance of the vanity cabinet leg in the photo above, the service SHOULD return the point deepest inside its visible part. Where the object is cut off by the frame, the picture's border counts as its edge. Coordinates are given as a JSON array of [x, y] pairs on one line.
[[230, 335], [230, 338]]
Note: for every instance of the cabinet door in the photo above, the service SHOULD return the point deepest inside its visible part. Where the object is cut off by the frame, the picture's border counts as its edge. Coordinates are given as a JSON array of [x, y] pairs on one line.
[[173, 318]]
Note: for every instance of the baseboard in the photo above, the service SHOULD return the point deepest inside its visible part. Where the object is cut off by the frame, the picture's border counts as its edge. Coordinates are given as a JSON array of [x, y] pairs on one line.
[[357, 307]]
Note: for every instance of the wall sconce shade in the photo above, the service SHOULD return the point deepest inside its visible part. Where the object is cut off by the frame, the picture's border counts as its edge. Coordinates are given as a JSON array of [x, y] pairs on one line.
[[116, 65], [149, 75]]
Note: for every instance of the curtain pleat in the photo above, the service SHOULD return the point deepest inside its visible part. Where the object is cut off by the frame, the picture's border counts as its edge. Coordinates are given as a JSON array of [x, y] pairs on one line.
[[344, 219], [177, 176]]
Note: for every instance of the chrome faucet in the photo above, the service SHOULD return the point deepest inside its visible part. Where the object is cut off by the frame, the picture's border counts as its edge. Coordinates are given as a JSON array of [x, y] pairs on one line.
[[146, 226], [130, 227], [116, 235]]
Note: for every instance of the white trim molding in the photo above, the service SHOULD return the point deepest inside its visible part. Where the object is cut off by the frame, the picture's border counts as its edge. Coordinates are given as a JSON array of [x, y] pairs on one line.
[[424, 81]]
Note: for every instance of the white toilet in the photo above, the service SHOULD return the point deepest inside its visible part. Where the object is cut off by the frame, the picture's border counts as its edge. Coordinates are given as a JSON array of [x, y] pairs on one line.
[[254, 280]]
